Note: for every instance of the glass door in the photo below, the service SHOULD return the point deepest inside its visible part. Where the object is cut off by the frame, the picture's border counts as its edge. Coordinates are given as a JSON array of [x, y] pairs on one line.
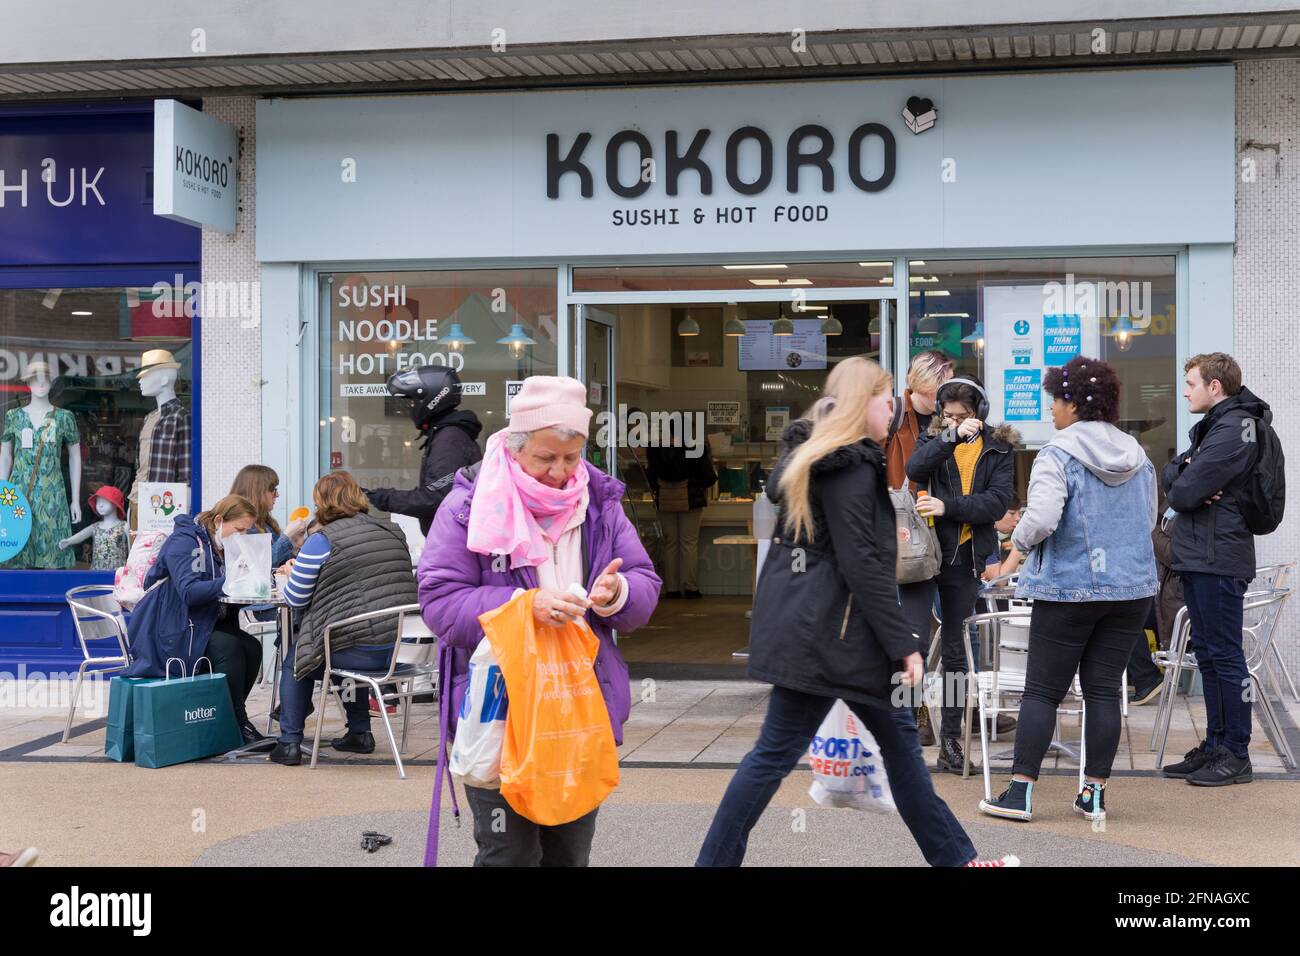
[[594, 338]]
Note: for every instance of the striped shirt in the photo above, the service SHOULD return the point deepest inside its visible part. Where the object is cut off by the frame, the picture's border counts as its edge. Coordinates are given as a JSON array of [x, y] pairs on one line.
[[306, 569]]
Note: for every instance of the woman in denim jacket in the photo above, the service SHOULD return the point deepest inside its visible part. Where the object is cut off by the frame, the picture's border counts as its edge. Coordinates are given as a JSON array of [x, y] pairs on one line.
[[1091, 572]]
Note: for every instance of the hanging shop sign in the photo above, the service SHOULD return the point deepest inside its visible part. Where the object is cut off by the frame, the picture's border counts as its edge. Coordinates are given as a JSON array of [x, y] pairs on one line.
[[196, 167]]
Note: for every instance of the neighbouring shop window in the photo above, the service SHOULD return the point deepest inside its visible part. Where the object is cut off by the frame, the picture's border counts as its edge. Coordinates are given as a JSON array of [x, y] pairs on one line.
[[1009, 320], [73, 414], [378, 323]]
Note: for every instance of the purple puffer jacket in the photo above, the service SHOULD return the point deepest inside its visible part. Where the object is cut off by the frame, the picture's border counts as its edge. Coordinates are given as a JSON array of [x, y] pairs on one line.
[[457, 585]]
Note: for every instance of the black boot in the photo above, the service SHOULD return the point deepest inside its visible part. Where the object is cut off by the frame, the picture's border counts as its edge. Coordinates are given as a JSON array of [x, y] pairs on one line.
[[251, 734], [923, 726], [950, 755], [288, 754], [355, 743]]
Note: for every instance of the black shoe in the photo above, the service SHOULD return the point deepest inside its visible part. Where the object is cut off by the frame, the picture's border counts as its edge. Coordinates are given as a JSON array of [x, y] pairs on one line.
[[950, 755], [355, 743], [1006, 724], [1014, 803], [1091, 801], [288, 754], [692, 594], [1192, 761], [251, 734], [275, 713], [1223, 768], [1145, 695]]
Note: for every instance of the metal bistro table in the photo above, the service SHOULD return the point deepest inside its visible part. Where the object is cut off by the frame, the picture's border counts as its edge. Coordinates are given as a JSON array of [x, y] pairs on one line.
[[284, 621]]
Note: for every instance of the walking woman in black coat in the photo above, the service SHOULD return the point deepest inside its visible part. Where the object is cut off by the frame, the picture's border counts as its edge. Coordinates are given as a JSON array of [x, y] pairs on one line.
[[827, 623]]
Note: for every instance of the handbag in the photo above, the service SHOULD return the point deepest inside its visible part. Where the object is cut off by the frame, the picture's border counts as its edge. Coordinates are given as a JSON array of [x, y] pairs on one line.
[[918, 543], [674, 496]]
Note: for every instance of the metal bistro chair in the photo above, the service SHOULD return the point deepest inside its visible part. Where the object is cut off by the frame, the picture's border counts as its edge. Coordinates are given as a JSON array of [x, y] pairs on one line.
[[1275, 576], [97, 618], [1004, 647], [1261, 611], [403, 674]]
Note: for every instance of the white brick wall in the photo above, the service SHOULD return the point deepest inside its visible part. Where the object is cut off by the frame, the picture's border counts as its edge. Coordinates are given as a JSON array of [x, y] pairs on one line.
[[232, 353], [1266, 280]]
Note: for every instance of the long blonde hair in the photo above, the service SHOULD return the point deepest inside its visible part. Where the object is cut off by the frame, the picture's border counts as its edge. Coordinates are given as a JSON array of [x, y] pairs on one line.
[[838, 419]]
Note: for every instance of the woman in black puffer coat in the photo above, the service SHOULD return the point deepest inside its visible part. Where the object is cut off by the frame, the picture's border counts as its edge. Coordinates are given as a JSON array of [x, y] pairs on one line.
[[827, 622]]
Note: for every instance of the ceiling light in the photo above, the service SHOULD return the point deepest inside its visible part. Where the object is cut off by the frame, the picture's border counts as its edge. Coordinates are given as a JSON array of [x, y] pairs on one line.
[[517, 339], [767, 282], [688, 326], [950, 315], [927, 326], [82, 312], [931, 292], [734, 326], [456, 338], [782, 325], [922, 279], [876, 265], [831, 325]]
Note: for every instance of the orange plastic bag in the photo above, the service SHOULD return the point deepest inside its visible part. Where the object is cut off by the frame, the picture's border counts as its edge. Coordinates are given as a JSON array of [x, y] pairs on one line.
[[558, 759]]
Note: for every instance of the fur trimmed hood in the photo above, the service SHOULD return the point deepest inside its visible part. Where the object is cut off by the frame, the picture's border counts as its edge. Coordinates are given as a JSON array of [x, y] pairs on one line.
[[1003, 433]]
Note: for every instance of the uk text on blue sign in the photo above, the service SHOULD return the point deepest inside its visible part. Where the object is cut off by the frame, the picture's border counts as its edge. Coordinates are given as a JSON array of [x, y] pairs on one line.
[[1062, 339], [1022, 391]]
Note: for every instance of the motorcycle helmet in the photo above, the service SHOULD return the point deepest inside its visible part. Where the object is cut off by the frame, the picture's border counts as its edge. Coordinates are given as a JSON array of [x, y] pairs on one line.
[[433, 391]]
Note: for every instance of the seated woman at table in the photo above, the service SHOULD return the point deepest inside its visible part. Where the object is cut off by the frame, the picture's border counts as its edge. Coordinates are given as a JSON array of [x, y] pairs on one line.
[[183, 616], [353, 565], [261, 486]]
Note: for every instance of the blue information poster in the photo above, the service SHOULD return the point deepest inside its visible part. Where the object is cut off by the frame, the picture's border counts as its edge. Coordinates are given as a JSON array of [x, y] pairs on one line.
[[1022, 394], [1062, 339], [15, 521]]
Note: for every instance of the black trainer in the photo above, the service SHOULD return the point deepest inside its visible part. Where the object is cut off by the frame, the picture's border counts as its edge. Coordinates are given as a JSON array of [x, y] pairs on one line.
[[1014, 803], [1223, 768], [1091, 801], [1192, 761], [288, 754], [355, 743]]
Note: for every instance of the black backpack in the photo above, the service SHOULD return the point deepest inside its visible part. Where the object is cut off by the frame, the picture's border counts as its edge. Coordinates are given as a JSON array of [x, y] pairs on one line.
[[1261, 495]]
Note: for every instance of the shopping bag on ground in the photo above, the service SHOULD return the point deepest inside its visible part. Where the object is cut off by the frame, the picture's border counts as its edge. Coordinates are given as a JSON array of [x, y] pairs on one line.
[[846, 765], [119, 739], [183, 718], [558, 757], [481, 724], [248, 566]]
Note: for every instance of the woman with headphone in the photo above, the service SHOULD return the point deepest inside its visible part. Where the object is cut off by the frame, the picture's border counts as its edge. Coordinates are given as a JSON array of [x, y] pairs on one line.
[[966, 464]]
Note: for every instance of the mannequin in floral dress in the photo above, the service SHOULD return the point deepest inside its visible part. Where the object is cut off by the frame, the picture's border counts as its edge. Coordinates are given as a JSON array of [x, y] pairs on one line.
[[110, 548], [31, 457]]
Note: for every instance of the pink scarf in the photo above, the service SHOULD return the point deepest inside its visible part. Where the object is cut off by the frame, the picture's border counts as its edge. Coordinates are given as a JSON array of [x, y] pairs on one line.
[[513, 513]]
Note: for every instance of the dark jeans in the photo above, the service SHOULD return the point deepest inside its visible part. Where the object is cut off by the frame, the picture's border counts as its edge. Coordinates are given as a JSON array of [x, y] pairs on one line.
[[917, 601], [1214, 604], [1142, 671], [296, 695], [505, 838], [1096, 639], [958, 589], [792, 720], [239, 657]]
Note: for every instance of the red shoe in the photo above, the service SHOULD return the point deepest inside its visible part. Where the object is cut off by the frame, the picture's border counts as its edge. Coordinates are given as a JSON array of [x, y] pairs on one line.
[[374, 708], [1009, 860]]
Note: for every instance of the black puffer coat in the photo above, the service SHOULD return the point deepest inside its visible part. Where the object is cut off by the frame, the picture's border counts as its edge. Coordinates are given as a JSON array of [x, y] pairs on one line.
[[826, 616]]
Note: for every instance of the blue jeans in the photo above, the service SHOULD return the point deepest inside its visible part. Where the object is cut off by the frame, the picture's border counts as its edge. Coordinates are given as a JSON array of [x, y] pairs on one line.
[[1215, 603], [793, 718], [295, 695]]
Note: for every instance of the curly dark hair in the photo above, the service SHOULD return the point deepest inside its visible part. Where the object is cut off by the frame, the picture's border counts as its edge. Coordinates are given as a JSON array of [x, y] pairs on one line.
[[959, 392], [1090, 384]]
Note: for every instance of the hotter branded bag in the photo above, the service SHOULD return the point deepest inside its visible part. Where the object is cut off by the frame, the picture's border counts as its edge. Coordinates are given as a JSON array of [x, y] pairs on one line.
[[184, 718], [119, 739], [918, 542], [558, 758], [846, 765], [481, 725]]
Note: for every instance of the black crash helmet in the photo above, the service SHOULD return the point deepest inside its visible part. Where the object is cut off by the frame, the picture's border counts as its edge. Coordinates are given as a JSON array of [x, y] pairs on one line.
[[433, 390]]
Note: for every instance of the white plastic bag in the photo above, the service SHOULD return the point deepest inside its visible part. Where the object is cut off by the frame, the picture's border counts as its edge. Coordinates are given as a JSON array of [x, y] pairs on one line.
[[847, 769], [248, 565], [481, 725]]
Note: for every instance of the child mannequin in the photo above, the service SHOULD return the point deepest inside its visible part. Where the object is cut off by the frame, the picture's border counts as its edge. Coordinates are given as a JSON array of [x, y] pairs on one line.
[[110, 548]]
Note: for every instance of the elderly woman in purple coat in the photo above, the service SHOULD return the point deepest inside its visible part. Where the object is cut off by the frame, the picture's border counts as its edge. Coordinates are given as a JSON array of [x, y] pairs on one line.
[[534, 514]]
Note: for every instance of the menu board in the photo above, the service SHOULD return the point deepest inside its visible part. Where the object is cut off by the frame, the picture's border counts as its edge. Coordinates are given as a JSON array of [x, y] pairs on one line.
[[761, 351]]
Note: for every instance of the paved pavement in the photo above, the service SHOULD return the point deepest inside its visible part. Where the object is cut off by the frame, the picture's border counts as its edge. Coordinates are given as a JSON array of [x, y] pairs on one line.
[[681, 745]]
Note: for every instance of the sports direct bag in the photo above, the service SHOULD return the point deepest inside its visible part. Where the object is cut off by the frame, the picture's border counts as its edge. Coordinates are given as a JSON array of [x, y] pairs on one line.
[[847, 771], [918, 543], [1261, 495], [128, 580], [481, 726], [558, 758]]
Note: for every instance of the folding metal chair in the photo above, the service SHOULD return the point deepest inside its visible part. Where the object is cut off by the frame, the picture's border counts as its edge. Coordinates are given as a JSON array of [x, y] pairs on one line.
[[97, 617], [1266, 578]]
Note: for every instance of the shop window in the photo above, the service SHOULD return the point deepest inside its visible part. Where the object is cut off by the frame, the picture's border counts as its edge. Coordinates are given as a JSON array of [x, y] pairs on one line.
[[1008, 320], [764, 275], [73, 414], [378, 323]]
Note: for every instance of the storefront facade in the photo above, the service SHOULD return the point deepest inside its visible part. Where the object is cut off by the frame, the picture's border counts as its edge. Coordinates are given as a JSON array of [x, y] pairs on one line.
[[647, 240], [90, 280]]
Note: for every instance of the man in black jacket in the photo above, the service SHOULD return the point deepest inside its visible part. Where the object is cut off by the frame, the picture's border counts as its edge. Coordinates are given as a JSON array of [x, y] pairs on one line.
[[450, 441], [1214, 553]]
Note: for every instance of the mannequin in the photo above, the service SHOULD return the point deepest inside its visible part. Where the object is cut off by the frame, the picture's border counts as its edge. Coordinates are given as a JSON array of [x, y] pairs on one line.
[[31, 457], [109, 531], [164, 453]]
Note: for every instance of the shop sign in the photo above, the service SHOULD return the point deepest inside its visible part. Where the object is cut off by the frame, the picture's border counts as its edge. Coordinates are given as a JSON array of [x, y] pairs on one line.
[[196, 167]]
